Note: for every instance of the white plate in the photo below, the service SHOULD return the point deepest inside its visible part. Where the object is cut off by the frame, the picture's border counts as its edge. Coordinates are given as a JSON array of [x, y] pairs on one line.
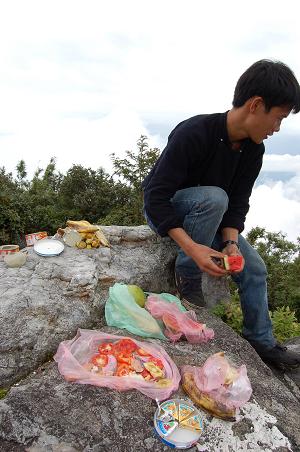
[[48, 247]]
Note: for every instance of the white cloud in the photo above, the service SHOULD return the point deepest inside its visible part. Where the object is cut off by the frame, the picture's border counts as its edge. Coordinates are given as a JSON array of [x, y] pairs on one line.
[[276, 207], [77, 141], [281, 163]]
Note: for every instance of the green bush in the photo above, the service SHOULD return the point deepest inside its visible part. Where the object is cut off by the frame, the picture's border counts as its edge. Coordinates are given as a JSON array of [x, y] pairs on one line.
[[285, 325], [230, 313]]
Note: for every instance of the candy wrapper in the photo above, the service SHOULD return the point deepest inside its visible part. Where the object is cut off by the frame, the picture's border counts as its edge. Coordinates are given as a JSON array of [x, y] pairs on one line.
[[217, 386], [178, 323], [117, 362]]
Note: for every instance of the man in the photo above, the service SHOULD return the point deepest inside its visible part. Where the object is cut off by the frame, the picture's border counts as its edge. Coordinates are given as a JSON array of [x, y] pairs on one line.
[[198, 193]]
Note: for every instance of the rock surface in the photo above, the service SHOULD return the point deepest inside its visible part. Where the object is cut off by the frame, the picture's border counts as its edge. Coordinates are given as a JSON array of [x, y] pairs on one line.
[[45, 302]]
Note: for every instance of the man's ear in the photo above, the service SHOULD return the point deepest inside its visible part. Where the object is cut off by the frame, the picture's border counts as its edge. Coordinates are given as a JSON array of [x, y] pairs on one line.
[[255, 104]]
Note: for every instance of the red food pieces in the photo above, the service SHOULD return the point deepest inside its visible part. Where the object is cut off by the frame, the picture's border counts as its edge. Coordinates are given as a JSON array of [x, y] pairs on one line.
[[128, 358], [123, 370], [105, 348], [123, 357], [125, 346], [157, 362], [233, 263], [100, 360], [146, 375]]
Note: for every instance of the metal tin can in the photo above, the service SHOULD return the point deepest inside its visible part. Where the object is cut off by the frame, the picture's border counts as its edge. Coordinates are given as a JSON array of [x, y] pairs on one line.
[[8, 249], [31, 239]]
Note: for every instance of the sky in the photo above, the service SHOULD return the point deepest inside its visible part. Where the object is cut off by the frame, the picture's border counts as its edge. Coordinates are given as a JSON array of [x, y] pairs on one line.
[[80, 80]]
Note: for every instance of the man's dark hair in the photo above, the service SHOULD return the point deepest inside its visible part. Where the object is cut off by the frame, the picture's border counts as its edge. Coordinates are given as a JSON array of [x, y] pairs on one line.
[[274, 81]]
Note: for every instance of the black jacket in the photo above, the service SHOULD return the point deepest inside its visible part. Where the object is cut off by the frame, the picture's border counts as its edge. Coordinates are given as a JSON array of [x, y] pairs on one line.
[[198, 153]]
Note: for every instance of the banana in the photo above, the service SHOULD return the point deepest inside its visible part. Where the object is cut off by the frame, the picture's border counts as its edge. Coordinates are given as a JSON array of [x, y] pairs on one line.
[[90, 233], [101, 237], [204, 401], [82, 226]]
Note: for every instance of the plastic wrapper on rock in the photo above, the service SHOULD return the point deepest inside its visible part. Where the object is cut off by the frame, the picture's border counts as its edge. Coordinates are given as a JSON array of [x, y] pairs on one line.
[[218, 386], [73, 356]]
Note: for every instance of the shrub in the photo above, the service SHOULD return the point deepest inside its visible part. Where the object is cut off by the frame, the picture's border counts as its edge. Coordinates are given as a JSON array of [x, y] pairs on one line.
[[285, 325]]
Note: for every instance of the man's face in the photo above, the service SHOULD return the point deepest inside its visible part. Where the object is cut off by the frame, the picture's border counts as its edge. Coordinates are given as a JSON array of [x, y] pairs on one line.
[[263, 124]]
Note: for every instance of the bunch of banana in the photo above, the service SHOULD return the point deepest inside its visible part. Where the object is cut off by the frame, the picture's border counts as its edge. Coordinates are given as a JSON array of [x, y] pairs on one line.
[[91, 235], [204, 400]]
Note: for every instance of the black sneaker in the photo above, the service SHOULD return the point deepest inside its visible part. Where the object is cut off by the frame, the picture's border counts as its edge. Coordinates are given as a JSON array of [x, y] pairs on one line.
[[278, 356], [190, 289]]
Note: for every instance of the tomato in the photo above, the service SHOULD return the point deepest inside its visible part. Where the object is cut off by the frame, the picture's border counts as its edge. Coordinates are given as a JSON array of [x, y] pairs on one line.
[[105, 348], [125, 346], [100, 360], [157, 362], [123, 358], [142, 352], [146, 375], [123, 370]]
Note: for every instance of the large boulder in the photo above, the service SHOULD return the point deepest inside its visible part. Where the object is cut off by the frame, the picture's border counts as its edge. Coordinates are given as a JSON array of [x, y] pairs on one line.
[[45, 302]]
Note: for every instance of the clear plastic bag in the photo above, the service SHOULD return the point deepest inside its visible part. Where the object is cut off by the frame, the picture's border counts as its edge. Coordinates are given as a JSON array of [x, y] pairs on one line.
[[73, 356], [219, 380], [178, 323], [123, 312]]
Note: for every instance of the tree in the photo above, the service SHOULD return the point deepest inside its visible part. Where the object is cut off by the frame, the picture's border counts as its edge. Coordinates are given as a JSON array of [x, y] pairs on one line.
[[21, 172], [133, 169], [281, 257], [87, 194], [11, 202]]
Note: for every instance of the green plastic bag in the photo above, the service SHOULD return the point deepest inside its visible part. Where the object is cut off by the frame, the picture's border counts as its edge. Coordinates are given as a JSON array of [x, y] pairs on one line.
[[122, 311]]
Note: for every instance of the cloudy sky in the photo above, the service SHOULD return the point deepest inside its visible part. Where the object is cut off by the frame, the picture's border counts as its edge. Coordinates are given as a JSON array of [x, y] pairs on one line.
[[80, 80]]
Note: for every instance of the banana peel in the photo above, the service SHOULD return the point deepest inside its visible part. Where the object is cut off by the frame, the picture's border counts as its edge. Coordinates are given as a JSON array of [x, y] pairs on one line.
[[204, 401]]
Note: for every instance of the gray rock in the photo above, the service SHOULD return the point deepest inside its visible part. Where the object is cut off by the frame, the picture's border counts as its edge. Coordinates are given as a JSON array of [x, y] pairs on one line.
[[46, 301]]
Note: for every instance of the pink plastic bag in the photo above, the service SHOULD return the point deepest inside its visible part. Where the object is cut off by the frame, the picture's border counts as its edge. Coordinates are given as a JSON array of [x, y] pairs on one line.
[[178, 323], [74, 355], [222, 381]]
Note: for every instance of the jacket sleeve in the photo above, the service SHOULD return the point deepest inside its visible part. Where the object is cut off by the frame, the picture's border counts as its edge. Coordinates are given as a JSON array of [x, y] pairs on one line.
[[238, 205], [169, 175]]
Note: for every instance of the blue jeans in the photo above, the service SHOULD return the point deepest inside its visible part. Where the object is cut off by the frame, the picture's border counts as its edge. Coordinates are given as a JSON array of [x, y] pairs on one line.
[[202, 209]]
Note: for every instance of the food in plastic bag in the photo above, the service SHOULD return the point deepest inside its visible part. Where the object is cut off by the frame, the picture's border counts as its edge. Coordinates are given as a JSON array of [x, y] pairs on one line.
[[117, 362], [122, 311], [178, 323], [217, 386], [83, 235]]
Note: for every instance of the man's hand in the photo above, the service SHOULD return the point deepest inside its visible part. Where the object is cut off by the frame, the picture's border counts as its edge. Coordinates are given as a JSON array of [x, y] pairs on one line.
[[232, 250], [203, 255]]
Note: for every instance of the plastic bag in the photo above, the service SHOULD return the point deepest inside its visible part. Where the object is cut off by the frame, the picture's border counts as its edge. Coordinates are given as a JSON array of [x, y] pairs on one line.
[[122, 311], [178, 323], [73, 357], [217, 386]]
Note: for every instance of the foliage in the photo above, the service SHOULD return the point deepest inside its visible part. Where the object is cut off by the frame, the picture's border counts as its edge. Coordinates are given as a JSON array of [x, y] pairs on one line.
[[283, 265], [231, 313], [285, 325], [133, 169], [3, 392], [50, 198]]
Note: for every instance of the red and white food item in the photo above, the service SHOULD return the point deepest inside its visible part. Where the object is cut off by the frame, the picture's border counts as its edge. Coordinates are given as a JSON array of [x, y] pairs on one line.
[[233, 263], [125, 358]]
